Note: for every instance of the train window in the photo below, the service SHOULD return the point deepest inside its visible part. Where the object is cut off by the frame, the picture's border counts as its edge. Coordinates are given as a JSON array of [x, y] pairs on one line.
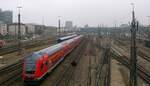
[[30, 67], [30, 72], [30, 61]]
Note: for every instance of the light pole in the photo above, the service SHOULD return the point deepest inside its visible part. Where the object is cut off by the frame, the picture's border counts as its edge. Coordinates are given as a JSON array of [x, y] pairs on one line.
[[149, 20], [99, 31], [149, 27], [133, 55], [59, 26], [19, 32]]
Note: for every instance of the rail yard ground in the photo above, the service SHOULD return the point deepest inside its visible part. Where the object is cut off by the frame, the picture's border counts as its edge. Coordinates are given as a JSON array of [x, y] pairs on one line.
[[12, 56], [97, 61]]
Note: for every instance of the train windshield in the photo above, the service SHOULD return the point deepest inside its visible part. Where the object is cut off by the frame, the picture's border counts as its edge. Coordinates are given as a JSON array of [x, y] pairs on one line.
[[30, 62]]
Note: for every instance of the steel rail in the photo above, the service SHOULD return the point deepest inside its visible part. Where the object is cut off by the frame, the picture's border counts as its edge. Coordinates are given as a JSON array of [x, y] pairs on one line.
[[68, 71], [144, 74]]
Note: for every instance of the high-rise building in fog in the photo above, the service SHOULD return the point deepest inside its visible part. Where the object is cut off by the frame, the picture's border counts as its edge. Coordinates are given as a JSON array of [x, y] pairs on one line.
[[86, 26], [68, 25], [6, 16]]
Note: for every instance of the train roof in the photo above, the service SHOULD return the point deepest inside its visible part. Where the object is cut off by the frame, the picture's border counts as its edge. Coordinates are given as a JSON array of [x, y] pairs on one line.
[[67, 37], [50, 50], [31, 58]]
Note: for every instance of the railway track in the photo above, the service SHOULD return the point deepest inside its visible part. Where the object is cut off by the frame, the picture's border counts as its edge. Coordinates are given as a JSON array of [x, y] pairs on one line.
[[10, 73], [141, 53], [103, 69], [144, 74], [27, 45], [89, 82], [67, 73], [8, 50]]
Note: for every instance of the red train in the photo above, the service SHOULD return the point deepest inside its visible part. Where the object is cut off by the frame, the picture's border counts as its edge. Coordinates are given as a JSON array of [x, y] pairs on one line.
[[37, 64], [2, 43]]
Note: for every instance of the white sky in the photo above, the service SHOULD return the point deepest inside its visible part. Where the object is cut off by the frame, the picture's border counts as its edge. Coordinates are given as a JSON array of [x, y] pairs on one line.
[[81, 12]]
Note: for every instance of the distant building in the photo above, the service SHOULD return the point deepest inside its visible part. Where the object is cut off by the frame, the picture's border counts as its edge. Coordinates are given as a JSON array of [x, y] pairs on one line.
[[6, 17], [30, 28], [75, 28], [50, 30], [39, 29], [45, 30], [68, 25], [1, 22], [3, 29], [124, 25], [13, 29], [86, 26]]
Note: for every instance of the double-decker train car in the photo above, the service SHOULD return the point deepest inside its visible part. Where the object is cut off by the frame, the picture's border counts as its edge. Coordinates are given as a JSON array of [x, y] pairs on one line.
[[65, 38], [37, 64]]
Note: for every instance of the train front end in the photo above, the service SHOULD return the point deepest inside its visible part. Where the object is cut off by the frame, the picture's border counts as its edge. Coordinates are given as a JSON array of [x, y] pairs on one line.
[[29, 73]]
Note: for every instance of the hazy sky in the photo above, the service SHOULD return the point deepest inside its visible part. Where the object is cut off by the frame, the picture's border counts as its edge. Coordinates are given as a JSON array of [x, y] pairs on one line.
[[81, 12]]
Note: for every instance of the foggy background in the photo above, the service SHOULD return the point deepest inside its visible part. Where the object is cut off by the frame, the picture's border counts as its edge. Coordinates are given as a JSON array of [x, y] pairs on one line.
[[81, 12]]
